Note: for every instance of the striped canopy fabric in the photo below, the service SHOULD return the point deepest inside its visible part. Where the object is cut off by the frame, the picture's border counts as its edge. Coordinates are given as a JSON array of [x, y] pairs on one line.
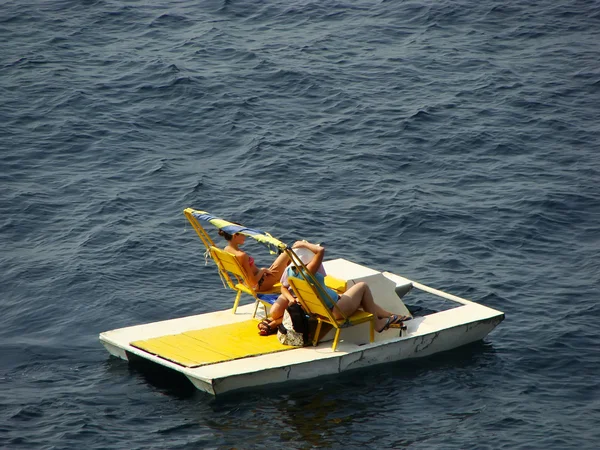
[[261, 236]]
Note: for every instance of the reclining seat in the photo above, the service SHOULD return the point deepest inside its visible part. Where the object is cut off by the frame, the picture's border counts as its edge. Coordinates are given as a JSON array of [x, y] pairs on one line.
[[233, 275], [230, 270], [313, 304]]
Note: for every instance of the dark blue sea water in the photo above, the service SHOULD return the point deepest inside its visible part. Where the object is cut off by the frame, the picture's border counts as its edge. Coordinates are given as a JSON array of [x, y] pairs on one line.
[[454, 143]]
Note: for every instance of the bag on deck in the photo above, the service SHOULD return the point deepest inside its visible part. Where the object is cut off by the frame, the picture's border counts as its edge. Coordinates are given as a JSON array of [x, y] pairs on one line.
[[294, 328]]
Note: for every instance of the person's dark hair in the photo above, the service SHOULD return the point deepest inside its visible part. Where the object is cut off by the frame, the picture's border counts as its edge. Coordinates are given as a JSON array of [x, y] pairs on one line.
[[226, 235]]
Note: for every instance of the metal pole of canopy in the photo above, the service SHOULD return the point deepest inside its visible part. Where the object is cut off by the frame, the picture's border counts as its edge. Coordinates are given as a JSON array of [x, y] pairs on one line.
[[441, 293], [206, 240]]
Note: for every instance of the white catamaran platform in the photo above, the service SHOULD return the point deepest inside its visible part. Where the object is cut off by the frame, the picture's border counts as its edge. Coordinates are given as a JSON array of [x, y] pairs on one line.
[[221, 352]]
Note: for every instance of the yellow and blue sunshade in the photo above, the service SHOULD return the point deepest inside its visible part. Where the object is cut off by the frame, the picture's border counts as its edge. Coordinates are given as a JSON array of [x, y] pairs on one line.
[[228, 227]]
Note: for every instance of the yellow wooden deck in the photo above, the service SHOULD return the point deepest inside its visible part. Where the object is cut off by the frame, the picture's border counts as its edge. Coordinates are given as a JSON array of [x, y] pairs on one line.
[[212, 345]]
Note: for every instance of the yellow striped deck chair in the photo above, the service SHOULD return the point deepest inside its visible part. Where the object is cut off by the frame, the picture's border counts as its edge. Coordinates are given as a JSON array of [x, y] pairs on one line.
[[234, 276], [313, 305]]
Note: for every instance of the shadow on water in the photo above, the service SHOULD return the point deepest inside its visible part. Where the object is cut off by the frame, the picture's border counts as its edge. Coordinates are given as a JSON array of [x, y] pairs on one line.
[[169, 382], [476, 353], [331, 410]]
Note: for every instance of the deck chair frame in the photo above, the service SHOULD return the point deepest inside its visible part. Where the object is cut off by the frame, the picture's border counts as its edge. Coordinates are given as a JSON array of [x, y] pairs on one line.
[[204, 236], [312, 303], [235, 278]]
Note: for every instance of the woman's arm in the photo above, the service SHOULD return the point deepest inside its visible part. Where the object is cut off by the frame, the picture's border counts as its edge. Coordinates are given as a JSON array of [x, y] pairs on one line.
[[315, 262], [250, 276], [287, 294]]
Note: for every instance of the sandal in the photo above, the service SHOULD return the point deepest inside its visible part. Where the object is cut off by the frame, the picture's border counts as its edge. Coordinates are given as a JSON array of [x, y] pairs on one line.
[[393, 321], [264, 328]]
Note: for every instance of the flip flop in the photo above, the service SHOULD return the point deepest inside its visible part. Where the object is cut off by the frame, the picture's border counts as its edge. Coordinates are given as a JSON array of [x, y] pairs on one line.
[[395, 321], [387, 324]]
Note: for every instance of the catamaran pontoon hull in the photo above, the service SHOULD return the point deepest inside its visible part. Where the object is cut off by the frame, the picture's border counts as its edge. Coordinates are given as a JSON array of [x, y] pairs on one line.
[[427, 335]]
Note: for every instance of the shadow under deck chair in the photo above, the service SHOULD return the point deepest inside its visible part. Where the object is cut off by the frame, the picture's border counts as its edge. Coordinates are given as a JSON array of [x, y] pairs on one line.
[[313, 305], [233, 273]]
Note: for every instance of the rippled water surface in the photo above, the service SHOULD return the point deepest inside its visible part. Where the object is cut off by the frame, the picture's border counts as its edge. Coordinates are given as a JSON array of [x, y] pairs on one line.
[[455, 143]]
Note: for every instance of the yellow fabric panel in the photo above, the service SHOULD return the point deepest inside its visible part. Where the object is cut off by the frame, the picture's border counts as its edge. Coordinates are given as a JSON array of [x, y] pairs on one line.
[[212, 345], [230, 262], [335, 283], [244, 288], [265, 238], [276, 289], [310, 299], [316, 306], [358, 317]]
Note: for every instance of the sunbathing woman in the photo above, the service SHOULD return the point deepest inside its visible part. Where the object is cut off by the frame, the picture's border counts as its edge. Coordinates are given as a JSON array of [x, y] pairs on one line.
[[269, 325], [263, 279], [357, 297]]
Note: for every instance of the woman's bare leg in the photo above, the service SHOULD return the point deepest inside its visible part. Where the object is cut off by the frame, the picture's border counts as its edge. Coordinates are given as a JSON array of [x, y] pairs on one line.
[[277, 268], [278, 308], [359, 296], [279, 265], [275, 316], [368, 304]]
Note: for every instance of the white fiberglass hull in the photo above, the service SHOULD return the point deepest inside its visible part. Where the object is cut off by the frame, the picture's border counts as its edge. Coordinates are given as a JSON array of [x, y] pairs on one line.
[[425, 336]]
